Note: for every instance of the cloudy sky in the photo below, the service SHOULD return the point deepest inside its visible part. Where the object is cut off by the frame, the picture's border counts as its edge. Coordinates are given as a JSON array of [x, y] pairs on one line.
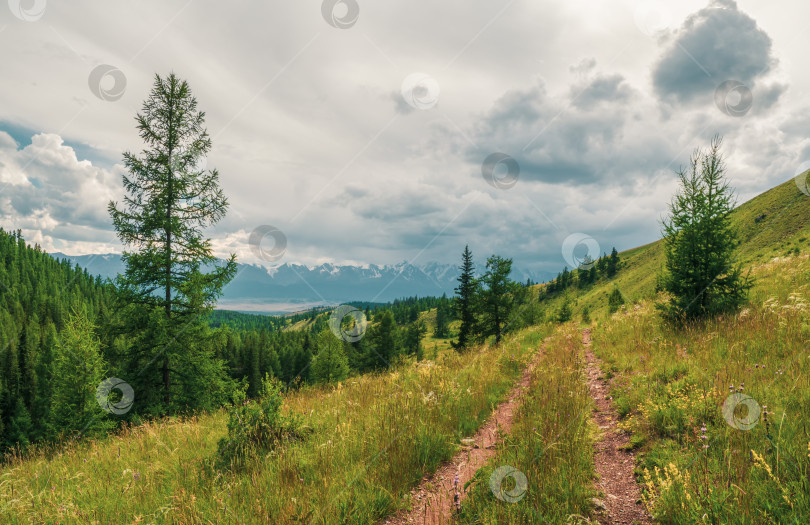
[[363, 130]]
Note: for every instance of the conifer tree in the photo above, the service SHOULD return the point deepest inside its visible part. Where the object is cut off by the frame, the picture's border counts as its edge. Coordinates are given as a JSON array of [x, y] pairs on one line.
[[612, 265], [497, 297], [171, 280], [78, 372], [464, 303], [383, 342], [330, 365], [442, 318], [699, 243], [615, 300], [413, 338]]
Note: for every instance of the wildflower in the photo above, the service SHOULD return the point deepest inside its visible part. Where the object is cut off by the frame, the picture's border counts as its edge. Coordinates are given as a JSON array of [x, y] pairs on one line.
[[456, 495], [136, 476]]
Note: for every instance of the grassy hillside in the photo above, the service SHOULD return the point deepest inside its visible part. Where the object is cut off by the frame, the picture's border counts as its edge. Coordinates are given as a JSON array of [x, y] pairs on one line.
[[697, 463], [374, 437], [783, 229], [750, 465]]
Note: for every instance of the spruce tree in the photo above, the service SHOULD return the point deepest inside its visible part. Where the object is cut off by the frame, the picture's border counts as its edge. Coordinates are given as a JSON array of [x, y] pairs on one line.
[[413, 338], [464, 303], [699, 242], [171, 281]]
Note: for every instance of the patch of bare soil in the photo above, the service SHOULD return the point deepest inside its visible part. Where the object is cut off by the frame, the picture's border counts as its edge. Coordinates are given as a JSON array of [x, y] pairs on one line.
[[612, 460]]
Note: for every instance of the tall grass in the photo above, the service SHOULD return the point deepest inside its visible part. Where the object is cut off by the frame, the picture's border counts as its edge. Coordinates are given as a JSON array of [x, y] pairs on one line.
[[699, 465], [374, 437], [551, 443]]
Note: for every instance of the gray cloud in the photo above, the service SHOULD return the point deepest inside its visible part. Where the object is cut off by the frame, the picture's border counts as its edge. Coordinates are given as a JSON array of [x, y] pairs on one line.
[[716, 44], [311, 133], [592, 134]]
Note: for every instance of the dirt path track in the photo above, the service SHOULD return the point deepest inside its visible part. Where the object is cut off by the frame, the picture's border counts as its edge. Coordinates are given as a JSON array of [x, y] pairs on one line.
[[613, 464], [434, 499]]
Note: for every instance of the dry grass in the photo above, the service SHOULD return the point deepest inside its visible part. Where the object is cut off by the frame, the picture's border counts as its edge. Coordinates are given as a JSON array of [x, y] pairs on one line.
[[375, 436]]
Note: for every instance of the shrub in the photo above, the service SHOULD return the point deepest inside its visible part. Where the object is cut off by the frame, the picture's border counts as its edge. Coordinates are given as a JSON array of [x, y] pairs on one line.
[[257, 426]]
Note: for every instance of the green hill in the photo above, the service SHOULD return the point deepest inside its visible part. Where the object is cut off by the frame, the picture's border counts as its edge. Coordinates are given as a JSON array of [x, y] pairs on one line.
[[773, 224]]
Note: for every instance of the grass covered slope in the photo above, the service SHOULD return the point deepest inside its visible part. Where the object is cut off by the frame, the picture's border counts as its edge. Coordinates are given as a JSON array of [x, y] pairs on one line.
[[711, 453], [775, 223], [374, 437], [669, 386]]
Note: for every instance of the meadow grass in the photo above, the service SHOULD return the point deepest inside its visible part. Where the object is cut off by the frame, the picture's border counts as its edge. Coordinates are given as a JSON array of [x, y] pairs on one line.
[[374, 438], [698, 464], [551, 443]]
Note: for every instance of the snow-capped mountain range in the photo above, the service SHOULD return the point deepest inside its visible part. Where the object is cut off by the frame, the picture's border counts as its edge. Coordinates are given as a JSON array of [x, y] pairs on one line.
[[291, 287]]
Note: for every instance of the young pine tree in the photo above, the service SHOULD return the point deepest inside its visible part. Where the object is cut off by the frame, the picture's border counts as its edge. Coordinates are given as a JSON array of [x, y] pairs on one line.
[[466, 294], [564, 313], [699, 243], [497, 297], [383, 342], [615, 300], [330, 364], [78, 370], [442, 328], [612, 265], [413, 339], [171, 280]]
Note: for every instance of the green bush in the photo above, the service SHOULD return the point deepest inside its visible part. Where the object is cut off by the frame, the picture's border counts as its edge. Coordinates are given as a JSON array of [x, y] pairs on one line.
[[257, 426]]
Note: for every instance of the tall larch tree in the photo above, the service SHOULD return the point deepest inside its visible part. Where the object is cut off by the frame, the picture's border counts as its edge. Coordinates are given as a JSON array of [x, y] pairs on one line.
[[171, 280]]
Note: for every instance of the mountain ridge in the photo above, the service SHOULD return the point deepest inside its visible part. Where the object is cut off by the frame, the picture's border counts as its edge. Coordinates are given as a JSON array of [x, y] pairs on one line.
[[291, 286]]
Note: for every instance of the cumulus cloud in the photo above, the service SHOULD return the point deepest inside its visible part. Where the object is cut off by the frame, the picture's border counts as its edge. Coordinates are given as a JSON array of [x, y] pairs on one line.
[[716, 44], [51, 195]]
